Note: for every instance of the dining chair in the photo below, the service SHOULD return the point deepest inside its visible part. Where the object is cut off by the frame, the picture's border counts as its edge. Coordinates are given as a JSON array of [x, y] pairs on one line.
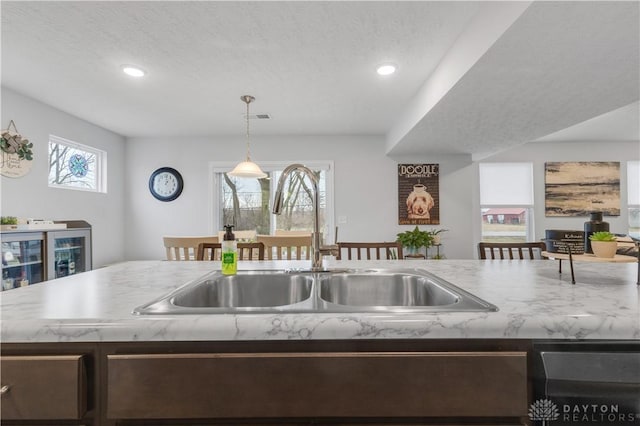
[[244, 236], [286, 247], [285, 232], [498, 250], [385, 250], [246, 251], [185, 248]]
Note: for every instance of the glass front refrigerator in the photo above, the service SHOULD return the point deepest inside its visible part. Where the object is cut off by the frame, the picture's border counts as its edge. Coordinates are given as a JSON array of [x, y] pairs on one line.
[[69, 252], [23, 256]]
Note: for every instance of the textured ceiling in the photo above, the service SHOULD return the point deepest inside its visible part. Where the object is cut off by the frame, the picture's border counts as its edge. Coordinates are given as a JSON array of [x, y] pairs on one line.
[[310, 65], [558, 65]]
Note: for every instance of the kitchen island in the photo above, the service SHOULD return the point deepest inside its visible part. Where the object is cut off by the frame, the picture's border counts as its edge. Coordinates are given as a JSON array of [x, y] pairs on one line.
[[408, 368], [534, 302]]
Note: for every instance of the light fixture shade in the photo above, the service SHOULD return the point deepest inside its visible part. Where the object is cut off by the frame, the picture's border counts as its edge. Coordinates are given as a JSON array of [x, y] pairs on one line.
[[247, 169]]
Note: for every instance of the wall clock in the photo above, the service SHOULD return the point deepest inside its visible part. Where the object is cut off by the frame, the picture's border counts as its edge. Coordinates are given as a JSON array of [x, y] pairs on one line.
[[166, 184]]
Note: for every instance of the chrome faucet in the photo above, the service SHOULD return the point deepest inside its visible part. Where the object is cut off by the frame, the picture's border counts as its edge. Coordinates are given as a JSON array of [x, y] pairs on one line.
[[317, 251]]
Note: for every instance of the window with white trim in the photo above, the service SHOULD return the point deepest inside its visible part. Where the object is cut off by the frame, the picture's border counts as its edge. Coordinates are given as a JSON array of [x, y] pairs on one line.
[[633, 197], [76, 166], [506, 202], [246, 202]]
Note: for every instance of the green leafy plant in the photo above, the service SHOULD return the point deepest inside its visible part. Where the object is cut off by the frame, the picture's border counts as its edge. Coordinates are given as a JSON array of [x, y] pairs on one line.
[[8, 220], [12, 143], [415, 239], [602, 236]]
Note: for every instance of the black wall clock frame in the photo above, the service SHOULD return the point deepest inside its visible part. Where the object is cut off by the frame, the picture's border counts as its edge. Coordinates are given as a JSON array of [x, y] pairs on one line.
[[173, 184]]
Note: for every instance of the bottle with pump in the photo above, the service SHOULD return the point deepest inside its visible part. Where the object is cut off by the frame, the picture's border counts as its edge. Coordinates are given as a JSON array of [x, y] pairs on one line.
[[229, 252]]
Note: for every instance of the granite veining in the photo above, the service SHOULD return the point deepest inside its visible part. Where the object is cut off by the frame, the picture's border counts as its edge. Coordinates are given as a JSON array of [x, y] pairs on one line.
[[534, 302]]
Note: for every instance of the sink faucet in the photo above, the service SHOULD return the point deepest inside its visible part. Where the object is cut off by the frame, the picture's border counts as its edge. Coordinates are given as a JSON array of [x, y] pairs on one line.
[[317, 250]]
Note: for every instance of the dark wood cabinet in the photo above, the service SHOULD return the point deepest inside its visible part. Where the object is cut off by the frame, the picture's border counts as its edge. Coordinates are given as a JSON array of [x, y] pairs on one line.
[[401, 382], [43, 387], [352, 384]]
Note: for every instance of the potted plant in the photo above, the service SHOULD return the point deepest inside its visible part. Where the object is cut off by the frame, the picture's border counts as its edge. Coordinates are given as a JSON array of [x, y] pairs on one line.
[[8, 222], [603, 244], [435, 234], [414, 240]]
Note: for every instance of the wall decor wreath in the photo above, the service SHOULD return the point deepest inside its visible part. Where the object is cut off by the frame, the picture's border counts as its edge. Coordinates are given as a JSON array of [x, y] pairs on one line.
[[12, 142]]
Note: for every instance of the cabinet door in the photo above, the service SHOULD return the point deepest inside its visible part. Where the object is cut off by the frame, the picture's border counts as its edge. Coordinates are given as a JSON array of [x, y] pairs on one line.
[[69, 252], [188, 386], [22, 259], [43, 387]]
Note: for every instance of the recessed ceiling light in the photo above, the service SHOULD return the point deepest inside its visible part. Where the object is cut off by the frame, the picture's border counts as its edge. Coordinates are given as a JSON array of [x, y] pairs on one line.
[[133, 71], [386, 69]]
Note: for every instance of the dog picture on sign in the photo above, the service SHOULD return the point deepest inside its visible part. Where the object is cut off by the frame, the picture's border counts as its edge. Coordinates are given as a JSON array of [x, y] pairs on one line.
[[418, 194]]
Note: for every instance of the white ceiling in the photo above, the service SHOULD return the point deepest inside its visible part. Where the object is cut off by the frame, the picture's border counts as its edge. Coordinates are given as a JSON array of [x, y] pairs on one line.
[[517, 71]]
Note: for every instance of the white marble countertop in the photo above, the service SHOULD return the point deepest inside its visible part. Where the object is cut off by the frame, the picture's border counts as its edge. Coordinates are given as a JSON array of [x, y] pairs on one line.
[[534, 303]]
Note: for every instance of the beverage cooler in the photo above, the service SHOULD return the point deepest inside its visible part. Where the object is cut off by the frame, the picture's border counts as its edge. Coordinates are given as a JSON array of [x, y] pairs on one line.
[[31, 257], [69, 252], [23, 259]]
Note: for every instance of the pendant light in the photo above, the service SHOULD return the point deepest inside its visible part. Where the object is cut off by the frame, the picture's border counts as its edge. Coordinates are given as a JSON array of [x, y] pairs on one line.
[[247, 169]]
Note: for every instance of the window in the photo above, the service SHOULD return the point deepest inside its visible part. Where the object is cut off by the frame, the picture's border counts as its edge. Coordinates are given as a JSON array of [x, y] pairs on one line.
[[246, 203], [506, 202], [633, 197], [76, 166]]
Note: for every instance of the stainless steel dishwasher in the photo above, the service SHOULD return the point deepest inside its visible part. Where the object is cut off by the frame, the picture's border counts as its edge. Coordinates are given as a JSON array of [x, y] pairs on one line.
[[586, 383]]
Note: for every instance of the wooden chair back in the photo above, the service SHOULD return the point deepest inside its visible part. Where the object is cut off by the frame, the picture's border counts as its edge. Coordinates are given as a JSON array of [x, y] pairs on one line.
[[286, 247], [244, 236], [185, 248], [355, 251], [498, 250], [246, 251], [284, 232]]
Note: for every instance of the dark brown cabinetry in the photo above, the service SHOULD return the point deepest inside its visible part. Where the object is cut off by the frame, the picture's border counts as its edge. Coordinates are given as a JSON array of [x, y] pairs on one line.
[[249, 383], [352, 384], [43, 387]]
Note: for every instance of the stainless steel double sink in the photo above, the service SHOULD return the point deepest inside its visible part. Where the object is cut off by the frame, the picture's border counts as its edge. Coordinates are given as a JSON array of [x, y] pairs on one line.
[[370, 290]]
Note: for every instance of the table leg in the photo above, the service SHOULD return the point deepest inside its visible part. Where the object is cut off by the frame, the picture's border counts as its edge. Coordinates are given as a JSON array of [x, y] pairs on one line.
[[573, 278]]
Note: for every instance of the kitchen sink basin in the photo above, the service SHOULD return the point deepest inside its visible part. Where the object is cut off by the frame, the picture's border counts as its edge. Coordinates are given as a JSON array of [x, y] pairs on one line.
[[235, 291], [388, 289], [375, 290]]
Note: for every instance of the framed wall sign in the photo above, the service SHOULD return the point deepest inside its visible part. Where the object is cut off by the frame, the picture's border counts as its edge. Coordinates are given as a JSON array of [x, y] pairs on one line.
[[418, 194]]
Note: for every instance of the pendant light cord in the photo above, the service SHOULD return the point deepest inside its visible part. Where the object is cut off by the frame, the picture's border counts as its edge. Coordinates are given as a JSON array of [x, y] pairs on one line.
[[248, 100]]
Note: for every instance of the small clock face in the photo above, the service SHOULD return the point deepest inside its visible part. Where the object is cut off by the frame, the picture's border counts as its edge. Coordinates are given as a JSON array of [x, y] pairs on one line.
[[166, 184]]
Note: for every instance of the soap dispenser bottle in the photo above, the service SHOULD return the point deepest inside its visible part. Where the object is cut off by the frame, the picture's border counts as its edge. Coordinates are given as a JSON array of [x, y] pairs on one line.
[[229, 252]]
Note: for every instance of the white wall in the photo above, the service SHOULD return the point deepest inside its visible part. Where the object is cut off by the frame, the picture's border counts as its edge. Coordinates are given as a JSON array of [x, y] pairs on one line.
[[365, 184], [541, 152], [30, 196]]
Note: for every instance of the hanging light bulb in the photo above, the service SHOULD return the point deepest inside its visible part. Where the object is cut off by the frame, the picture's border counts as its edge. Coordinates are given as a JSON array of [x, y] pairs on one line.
[[248, 168]]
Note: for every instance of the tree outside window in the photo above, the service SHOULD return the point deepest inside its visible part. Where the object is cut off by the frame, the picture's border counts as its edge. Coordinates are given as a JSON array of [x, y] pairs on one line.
[[246, 202], [75, 166]]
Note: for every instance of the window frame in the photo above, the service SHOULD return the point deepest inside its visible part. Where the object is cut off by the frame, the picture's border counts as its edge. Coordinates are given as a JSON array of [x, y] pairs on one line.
[[528, 207], [633, 184], [218, 167], [100, 165]]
